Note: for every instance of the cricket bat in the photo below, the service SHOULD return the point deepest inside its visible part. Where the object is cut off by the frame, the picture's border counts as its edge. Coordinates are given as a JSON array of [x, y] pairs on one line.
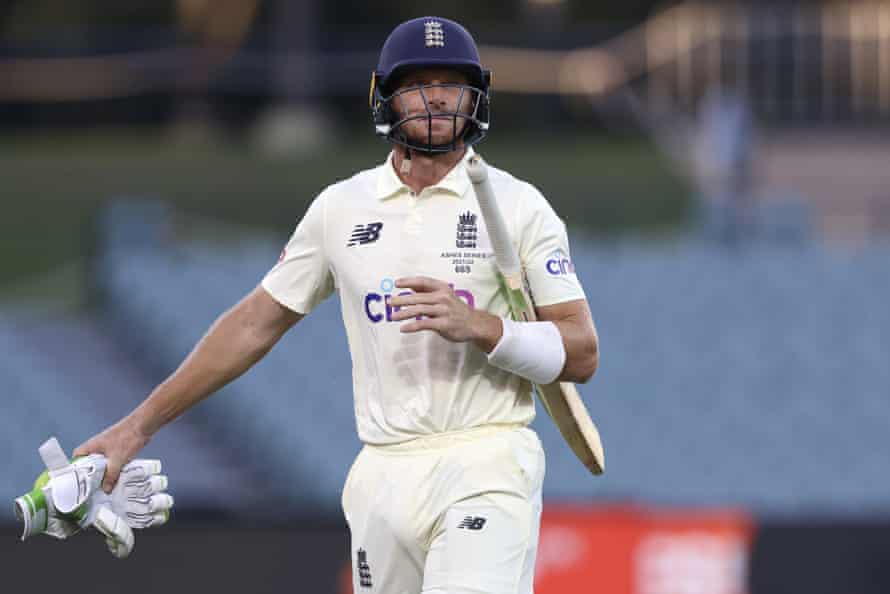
[[560, 399]]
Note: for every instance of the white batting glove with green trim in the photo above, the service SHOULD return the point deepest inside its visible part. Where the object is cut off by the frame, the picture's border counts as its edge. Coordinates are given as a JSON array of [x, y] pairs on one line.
[[68, 497]]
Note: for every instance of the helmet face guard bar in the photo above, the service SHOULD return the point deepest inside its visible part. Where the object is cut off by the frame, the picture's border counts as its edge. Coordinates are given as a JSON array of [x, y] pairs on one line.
[[468, 127]]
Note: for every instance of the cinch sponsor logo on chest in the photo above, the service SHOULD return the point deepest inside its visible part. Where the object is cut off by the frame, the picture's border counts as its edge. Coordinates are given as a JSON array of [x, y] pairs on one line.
[[559, 264], [378, 309]]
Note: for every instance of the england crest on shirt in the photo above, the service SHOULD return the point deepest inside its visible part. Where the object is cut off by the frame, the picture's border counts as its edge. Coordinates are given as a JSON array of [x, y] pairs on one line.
[[467, 231]]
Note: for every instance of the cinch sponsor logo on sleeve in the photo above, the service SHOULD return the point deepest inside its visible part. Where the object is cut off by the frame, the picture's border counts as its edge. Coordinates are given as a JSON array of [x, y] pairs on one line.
[[378, 309], [559, 264]]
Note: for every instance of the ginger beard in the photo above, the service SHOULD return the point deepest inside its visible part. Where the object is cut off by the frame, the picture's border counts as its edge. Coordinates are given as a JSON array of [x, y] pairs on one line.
[[442, 102]]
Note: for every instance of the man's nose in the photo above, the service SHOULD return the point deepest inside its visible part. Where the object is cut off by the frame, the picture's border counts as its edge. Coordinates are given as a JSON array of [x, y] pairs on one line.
[[436, 95]]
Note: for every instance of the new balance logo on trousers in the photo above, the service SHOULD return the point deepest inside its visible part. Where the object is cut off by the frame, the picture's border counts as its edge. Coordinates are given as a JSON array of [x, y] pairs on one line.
[[472, 523]]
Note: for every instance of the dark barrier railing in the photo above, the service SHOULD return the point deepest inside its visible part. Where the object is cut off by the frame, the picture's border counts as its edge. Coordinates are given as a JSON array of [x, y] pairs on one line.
[[582, 549], [821, 556], [182, 558]]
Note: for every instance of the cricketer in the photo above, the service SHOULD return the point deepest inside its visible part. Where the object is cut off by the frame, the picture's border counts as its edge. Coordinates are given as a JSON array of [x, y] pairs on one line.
[[445, 495]]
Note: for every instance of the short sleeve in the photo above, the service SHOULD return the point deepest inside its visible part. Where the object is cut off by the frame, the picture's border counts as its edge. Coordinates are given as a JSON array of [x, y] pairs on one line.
[[302, 277], [544, 252]]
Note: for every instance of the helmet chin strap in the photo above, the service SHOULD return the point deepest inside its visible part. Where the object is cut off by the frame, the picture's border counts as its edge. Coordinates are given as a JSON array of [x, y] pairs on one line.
[[405, 168]]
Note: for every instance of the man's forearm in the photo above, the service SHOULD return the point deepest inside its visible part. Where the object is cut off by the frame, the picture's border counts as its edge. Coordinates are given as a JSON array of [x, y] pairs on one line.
[[237, 340], [582, 350], [578, 336], [231, 347], [488, 330]]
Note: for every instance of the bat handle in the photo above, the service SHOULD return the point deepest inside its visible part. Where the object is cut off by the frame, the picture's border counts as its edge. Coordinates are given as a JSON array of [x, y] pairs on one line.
[[476, 169], [504, 252]]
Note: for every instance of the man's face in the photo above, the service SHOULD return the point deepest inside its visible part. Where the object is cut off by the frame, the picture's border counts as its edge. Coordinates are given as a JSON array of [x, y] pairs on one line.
[[440, 99]]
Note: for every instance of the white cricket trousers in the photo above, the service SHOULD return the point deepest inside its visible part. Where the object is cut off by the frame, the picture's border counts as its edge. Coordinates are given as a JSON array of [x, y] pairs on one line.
[[454, 513]]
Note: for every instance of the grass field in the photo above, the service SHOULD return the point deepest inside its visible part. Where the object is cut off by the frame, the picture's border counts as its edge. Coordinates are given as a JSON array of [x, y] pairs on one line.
[[53, 185]]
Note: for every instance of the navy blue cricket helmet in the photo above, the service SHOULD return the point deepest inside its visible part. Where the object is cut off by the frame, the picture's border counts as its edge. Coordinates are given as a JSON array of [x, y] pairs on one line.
[[430, 42]]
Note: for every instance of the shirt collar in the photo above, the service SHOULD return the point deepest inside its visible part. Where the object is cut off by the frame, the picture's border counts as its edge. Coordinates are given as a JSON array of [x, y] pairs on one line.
[[455, 181]]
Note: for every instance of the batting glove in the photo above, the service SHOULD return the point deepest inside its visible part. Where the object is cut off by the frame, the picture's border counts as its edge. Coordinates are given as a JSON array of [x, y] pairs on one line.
[[68, 497]]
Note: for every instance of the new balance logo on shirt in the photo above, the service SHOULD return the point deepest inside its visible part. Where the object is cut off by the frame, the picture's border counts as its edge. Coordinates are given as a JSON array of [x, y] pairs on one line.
[[363, 234], [472, 523]]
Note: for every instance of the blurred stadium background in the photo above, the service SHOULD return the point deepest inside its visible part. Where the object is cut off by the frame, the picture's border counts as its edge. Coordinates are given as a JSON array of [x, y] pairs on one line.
[[724, 169]]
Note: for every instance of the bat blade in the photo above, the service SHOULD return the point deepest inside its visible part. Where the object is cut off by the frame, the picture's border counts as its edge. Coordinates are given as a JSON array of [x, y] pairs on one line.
[[560, 399]]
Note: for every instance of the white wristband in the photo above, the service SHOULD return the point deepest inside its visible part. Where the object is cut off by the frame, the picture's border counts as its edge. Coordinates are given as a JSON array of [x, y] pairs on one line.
[[532, 350]]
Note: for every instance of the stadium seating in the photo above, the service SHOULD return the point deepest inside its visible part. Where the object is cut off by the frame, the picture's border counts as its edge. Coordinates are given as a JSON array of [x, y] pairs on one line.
[[756, 376], [62, 377], [292, 414]]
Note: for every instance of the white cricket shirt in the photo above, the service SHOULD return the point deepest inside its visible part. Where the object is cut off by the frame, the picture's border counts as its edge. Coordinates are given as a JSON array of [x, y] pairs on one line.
[[361, 234]]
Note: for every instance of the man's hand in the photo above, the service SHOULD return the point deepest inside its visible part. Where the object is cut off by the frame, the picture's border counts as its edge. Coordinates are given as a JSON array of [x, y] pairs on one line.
[[66, 499], [119, 444], [443, 312]]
